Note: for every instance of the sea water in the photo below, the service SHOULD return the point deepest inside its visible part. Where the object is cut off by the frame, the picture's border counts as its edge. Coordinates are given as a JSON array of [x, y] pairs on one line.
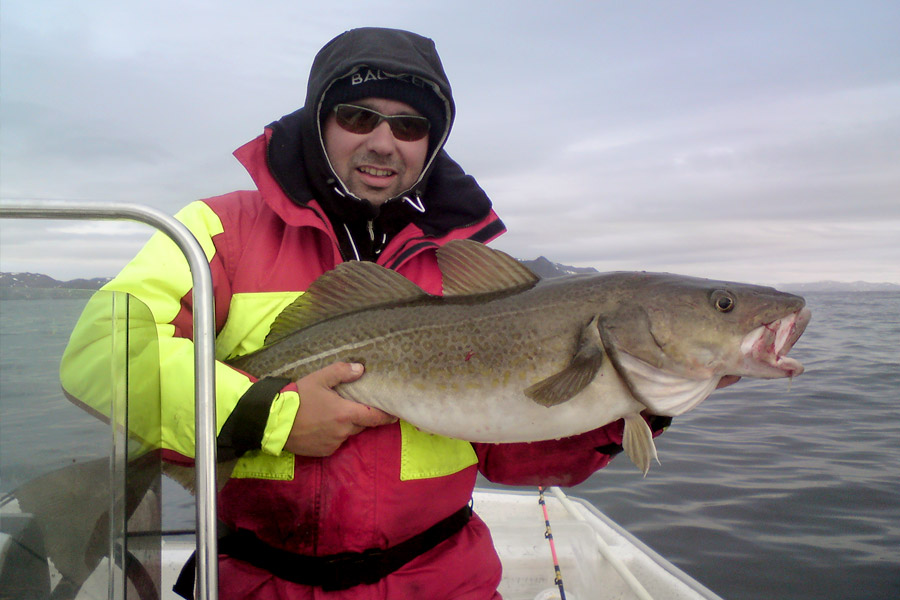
[[769, 489], [784, 489]]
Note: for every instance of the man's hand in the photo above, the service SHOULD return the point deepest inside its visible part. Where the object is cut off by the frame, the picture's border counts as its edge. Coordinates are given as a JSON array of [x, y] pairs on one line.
[[325, 419]]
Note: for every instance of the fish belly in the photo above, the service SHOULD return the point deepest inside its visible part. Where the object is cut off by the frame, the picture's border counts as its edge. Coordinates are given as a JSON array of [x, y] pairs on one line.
[[492, 413], [461, 371]]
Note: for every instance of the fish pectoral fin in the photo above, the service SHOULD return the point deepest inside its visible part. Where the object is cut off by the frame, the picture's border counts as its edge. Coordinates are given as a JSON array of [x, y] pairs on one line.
[[638, 442], [471, 268], [566, 384]]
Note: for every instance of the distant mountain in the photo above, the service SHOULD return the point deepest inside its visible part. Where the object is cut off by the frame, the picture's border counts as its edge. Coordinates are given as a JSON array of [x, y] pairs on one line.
[[841, 286], [37, 280], [546, 269], [33, 285]]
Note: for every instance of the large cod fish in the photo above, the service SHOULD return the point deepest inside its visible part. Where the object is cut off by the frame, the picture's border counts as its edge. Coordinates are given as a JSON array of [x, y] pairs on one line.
[[506, 357]]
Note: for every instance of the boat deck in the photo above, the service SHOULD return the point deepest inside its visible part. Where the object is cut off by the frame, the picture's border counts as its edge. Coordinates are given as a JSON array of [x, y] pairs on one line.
[[593, 552]]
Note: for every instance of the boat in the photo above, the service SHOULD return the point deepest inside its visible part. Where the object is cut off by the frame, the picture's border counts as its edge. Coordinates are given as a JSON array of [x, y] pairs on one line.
[[94, 528], [597, 558]]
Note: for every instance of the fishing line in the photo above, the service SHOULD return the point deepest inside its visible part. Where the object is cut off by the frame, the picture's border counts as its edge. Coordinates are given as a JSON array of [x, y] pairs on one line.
[[548, 533]]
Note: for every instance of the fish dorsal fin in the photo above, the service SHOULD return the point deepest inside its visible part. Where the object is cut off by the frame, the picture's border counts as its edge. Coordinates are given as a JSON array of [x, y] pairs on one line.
[[566, 384], [349, 287], [470, 268]]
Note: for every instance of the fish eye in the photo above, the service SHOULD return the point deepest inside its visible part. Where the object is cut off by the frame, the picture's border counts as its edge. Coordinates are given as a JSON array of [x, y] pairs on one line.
[[723, 301]]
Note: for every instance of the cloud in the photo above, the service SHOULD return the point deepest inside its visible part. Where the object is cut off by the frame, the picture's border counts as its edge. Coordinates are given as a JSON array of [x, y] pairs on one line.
[[805, 158], [69, 249], [770, 251], [716, 140]]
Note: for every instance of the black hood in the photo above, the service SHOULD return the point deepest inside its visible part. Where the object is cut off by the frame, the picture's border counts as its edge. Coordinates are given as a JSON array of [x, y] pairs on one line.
[[296, 152]]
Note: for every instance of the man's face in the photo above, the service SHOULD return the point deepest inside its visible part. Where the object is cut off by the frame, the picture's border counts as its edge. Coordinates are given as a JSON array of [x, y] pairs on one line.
[[375, 165]]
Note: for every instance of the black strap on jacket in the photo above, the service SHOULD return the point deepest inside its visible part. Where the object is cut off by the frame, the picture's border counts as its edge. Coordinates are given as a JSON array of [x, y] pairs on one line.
[[333, 572], [243, 429]]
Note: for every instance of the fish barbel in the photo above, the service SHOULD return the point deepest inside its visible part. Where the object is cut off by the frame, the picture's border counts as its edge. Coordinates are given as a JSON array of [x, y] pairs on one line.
[[505, 357]]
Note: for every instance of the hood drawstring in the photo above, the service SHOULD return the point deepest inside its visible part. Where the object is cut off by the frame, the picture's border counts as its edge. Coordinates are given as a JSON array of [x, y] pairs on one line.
[[375, 248], [416, 204], [352, 243]]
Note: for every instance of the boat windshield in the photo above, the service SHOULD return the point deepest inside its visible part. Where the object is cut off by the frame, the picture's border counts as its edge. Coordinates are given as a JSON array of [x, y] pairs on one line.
[[79, 445]]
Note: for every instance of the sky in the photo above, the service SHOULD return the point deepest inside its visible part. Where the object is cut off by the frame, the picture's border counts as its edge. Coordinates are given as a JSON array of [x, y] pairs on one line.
[[749, 141]]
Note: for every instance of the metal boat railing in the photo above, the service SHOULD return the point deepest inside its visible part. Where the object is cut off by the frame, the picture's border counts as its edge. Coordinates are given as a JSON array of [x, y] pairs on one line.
[[204, 353]]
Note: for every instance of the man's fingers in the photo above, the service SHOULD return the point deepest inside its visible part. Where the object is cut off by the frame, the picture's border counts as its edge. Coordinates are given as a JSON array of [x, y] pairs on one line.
[[339, 372], [326, 419], [366, 416], [362, 416]]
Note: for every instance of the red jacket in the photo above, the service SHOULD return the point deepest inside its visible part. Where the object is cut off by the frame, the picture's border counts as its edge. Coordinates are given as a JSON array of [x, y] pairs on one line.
[[355, 499]]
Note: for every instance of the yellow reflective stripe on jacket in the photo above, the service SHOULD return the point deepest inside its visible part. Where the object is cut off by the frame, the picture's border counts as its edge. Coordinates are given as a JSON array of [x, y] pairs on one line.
[[160, 277], [118, 337], [425, 455], [250, 317], [159, 274], [259, 465], [282, 414]]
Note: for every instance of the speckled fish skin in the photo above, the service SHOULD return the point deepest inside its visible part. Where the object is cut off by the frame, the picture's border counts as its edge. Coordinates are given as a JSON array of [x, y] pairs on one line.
[[469, 367]]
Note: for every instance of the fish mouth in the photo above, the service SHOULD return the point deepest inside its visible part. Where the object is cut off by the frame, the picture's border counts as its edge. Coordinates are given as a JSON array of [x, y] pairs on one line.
[[765, 348]]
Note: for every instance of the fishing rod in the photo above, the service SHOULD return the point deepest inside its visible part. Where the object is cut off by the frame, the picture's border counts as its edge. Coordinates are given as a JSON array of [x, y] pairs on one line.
[[548, 533]]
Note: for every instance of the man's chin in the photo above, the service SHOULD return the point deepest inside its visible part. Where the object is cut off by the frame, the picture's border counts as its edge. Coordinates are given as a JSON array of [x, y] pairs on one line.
[[375, 196]]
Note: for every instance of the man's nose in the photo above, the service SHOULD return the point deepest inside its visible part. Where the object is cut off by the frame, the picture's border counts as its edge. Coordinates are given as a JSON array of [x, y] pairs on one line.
[[381, 139]]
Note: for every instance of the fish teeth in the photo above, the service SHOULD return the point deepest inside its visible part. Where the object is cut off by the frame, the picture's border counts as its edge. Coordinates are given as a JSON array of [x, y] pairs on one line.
[[783, 334], [770, 342], [749, 343]]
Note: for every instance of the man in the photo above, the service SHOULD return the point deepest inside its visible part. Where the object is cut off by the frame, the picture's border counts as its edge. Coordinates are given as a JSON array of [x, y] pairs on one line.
[[329, 494]]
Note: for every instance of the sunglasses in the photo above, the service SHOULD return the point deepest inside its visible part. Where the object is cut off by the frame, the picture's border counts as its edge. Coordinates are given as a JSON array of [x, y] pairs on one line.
[[358, 119]]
